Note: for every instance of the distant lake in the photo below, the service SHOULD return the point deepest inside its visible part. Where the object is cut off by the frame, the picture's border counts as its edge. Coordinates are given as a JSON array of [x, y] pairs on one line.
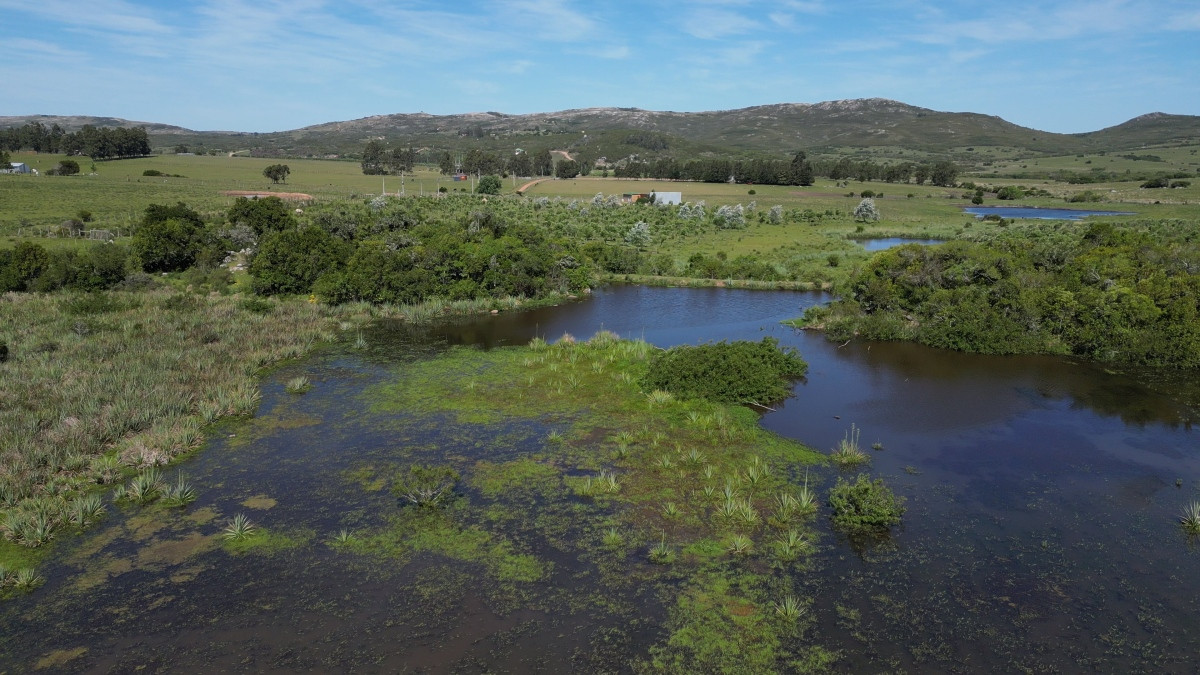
[[1035, 212], [872, 245]]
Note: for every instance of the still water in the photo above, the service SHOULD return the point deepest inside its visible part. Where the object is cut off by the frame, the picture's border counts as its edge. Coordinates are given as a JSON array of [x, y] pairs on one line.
[[1041, 532], [884, 243], [1037, 212]]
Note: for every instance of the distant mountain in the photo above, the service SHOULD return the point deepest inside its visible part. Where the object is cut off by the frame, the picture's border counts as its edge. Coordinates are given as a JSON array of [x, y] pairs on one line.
[[880, 126]]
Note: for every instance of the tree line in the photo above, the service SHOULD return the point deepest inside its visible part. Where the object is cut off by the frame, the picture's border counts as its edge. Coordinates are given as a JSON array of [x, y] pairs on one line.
[[90, 141]]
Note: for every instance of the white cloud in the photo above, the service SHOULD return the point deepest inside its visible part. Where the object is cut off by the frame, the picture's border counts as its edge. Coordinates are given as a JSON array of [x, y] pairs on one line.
[[711, 24]]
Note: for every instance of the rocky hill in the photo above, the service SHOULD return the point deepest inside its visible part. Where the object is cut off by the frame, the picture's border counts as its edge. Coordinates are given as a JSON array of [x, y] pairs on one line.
[[768, 130]]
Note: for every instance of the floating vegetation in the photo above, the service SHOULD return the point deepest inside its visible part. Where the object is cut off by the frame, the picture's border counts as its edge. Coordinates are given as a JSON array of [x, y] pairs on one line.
[[864, 504]]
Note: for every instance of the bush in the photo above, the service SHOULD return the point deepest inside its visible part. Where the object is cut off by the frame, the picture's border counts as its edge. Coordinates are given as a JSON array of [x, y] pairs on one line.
[[1009, 192], [269, 214], [292, 260], [488, 185], [166, 246], [733, 372], [864, 504]]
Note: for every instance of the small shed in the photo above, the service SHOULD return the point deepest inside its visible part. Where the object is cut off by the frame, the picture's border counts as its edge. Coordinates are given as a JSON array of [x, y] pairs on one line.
[[660, 198], [18, 167]]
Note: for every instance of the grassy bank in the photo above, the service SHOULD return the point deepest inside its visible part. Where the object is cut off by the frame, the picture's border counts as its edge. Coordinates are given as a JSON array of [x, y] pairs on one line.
[[101, 389]]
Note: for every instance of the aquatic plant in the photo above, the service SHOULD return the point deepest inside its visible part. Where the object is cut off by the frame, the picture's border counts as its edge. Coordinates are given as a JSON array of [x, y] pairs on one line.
[[740, 544], [238, 528], [747, 514], [612, 538], [789, 608], [621, 451], [1190, 518], [26, 579], [848, 452], [145, 487], [343, 537], [105, 468], [661, 553], [555, 437], [298, 385], [864, 504], [85, 510], [792, 545], [608, 481], [425, 485], [360, 342], [670, 510], [179, 493]]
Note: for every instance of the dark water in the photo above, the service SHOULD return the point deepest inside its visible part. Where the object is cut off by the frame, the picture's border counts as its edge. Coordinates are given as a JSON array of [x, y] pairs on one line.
[[1038, 212], [1041, 534], [884, 243]]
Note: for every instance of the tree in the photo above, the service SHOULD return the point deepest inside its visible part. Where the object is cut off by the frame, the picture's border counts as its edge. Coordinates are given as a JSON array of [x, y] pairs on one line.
[[866, 211], [944, 174], [373, 158], [165, 246], [4, 158], [291, 260], [543, 163], [567, 168], [277, 172], [265, 215], [446, 164], [488, 185]]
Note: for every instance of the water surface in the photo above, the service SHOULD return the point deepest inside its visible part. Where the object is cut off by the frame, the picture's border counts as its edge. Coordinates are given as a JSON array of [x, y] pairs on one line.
[[1038, 212], [884, 243]]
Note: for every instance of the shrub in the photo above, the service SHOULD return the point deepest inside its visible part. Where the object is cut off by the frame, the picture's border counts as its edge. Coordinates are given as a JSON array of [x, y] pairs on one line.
[[735, 372], [864, 504], [488, 185], [1009, 192], [166, 246], [269, 214], [866, 210]]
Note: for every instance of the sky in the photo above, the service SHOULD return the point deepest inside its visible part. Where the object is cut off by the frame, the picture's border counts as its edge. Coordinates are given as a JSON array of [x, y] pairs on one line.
[[267, 65]]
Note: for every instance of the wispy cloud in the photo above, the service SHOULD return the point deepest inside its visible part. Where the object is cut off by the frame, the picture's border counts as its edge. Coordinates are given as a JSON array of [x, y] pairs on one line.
[[711, 24]]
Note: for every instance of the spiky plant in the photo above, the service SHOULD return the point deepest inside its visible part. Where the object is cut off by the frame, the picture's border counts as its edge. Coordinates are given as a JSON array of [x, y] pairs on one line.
[[848, 452], [146, 486], [85, 510], [27, 579], [612, 538], [740, 544], [661, 553], [1190, 518], [608, 481], [789, 608], [298, 385], [106, 469], [179, 493], [670, 510], [238, 528], [343, 537], [792, 545]]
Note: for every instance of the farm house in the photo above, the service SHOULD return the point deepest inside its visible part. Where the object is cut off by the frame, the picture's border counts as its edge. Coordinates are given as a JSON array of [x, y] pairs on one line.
[[17, 167]]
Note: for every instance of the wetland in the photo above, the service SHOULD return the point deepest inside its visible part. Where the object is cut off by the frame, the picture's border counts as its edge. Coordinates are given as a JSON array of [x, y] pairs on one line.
[[1041, 531]]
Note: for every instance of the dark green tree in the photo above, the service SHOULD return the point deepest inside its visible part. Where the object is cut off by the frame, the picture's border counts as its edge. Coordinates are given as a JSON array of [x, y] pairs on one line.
[[944, 174], [269, 214], [292, 260], [374, 158], [165, 246], [277, 172], [488, 185], [567, 168], [543, 163]]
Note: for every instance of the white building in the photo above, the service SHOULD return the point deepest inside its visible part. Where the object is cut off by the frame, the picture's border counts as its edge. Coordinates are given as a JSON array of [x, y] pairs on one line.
[[17, 167]]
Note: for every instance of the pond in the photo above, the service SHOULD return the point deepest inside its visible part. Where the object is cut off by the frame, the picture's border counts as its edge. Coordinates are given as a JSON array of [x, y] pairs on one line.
[[1041, 531], [884, 243], [1011, 212]]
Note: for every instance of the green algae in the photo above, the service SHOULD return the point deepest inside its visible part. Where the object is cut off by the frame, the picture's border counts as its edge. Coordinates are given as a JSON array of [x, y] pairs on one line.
[[262, 541]]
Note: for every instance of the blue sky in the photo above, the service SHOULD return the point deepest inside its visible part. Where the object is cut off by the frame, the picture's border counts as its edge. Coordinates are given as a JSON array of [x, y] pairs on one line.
[[263, 65]]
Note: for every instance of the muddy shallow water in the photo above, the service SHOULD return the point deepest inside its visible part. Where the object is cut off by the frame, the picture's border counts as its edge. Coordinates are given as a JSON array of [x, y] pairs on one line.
[[1041, 533]]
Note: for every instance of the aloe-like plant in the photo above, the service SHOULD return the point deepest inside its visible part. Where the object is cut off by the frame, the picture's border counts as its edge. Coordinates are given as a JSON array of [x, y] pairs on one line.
[[26, 579], [179, 493], [1190, 518], [671, 510], [146, 486], [789, 608], [298, 385], [740, 544], [85, 510], [239, 528], [661, 553]]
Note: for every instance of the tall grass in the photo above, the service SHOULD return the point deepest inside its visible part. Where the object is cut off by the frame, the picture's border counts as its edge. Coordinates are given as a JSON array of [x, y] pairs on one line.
[[133, 392]]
